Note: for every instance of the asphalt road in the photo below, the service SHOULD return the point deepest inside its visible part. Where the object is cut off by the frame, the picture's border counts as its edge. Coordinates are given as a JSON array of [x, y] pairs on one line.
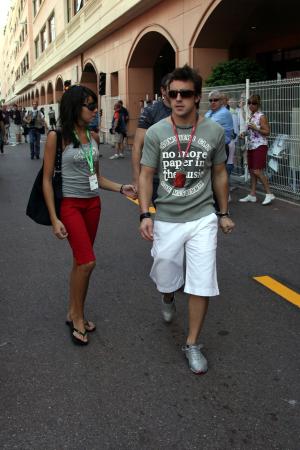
[[130, 388]]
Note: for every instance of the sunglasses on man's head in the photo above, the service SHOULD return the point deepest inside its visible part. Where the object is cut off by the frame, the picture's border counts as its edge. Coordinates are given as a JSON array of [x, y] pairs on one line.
[[184, 93], [213, 100], [252, 103], [91, 106]]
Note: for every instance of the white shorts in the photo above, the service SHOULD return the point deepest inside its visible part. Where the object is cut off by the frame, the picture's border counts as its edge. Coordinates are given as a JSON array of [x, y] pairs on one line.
[[192, 242]]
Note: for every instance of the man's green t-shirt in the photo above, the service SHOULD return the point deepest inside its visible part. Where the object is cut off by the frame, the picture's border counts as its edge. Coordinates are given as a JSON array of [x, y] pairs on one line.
[[195, 198]]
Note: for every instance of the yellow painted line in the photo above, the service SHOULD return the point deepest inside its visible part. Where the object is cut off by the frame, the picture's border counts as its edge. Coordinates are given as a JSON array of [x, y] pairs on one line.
[[151, 209], [280, 289]]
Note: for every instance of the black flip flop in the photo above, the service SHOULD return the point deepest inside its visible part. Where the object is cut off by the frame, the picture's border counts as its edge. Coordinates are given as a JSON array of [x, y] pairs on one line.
[[86, 322], [74, 338]]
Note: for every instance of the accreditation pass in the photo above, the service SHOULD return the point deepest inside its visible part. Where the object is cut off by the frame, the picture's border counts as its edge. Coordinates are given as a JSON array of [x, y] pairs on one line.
[[93, 182]]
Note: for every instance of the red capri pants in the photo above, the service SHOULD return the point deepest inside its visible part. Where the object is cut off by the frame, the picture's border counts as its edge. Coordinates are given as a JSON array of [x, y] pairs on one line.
[[257, 158], [81, 217]]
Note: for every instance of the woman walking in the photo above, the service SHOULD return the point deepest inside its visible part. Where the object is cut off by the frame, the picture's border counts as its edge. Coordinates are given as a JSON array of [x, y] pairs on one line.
[[81, 205], [258, 130]]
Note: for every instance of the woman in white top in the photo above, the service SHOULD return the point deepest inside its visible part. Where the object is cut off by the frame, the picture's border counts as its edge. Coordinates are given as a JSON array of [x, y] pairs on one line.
[[258, 129]]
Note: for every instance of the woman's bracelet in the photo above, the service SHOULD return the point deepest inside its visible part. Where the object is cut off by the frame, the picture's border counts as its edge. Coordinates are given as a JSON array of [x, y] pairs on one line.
[[121, 189]]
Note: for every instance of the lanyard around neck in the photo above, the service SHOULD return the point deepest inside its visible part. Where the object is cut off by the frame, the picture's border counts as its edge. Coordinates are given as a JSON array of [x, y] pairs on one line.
[[87, 154], [184, 154]]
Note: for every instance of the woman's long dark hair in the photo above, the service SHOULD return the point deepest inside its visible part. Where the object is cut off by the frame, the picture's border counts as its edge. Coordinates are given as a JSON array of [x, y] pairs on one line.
[[70, 110]]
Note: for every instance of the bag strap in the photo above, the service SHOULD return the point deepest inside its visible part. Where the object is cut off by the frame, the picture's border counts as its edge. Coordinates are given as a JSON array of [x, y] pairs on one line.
[[58, 155]]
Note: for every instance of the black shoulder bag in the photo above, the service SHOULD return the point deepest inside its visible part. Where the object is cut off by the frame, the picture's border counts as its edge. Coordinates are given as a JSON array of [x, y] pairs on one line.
[[37, 209]]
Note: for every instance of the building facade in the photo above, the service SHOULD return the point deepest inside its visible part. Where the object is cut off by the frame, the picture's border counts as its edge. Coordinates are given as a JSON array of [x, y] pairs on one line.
[[133, 43]]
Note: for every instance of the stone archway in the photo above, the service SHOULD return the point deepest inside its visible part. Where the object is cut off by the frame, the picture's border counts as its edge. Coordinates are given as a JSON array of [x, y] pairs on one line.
[[37, 96], [43, 96], [50, 95], [59, 89], [89, 77], [152, 56], [274, 44]]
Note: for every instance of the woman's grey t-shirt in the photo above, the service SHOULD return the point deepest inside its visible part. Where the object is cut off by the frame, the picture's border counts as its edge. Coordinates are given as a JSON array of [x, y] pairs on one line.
[[76, 172], [195, 199]]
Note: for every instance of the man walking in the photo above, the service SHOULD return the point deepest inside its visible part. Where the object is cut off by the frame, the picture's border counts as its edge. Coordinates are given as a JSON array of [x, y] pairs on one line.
[[36, 121], [188, 152]]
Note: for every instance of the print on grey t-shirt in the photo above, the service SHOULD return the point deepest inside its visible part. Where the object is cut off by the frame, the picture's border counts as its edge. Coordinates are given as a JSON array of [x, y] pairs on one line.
[[194, 199]]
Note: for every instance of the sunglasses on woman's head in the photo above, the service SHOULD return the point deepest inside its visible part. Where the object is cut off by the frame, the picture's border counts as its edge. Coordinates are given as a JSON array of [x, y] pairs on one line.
[[91, 106], [252, 103], [184, 93]]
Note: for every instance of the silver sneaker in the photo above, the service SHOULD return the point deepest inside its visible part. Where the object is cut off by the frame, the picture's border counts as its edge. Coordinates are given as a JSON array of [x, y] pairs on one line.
[[115, 156], [168, 310], [197, 361]]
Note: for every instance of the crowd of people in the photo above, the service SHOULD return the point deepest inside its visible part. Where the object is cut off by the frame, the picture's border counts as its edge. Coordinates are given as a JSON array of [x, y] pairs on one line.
[[11, 121], [181, 163]]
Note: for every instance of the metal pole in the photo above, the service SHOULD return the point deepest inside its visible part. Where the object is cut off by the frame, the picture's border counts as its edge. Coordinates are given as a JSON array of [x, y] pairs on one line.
[[246, 172]]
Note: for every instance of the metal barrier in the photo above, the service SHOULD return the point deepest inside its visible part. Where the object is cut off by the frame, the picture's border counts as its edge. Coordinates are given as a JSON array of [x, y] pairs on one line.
[[281, 104]]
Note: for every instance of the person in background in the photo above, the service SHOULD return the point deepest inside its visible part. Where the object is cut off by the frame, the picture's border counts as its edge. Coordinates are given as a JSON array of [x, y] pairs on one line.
[[124, 115], [124, 112], [220, 114], [6, 119], [24, 125], [118, 126], [141, 106], [242, 111], [17, 123], [52, 118], [150, 115], [81, 206], [36, 121], [258, 129], [233, 111], [94, 126], [94, 123]]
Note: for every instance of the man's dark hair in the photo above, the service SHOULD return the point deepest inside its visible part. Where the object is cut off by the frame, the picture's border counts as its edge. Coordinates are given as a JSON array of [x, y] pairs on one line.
[[186, 73]]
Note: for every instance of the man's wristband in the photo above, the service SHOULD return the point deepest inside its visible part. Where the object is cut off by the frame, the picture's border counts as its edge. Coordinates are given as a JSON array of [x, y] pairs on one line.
[[219, 214], [121, 189], [145, 215]]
